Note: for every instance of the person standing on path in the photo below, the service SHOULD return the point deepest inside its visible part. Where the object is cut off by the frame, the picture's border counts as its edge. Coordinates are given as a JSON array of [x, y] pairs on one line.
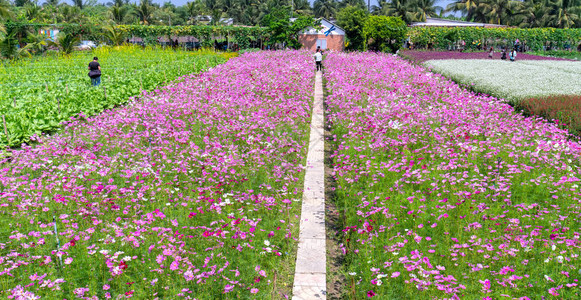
[[319, 60], [491, 52], [95, 72], [512, 54]]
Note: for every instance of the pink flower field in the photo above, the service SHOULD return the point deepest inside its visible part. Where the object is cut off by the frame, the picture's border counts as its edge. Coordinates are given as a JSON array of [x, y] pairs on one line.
[[191, 191], [422, 56], [443, 194], [194, 190]]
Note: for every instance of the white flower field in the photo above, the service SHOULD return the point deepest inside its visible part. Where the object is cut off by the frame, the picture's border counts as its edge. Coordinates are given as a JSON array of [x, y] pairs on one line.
[[513, 80]]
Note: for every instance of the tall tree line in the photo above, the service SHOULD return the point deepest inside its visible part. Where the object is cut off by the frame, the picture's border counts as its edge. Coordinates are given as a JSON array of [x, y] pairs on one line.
[[527, 13]]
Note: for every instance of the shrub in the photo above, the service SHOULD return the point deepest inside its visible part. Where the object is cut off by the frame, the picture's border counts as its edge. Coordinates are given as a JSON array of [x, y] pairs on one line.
[[565, 110], [535, 38], [384, 33], [352, 19]]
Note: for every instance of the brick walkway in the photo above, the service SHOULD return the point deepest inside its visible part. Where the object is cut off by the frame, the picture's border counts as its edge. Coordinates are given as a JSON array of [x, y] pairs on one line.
[[311, 266]]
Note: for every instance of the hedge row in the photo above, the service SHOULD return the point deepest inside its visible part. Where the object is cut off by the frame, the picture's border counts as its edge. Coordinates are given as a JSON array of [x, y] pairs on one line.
[[206, 34], [535, 38]]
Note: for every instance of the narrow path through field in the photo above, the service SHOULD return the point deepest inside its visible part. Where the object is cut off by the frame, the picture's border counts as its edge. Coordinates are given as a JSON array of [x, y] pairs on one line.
[[311, 266]]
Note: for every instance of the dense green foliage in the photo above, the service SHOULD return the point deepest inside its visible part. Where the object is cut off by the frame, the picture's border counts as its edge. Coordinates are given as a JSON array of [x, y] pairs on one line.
[[116, 34], [384, 33], [527, 14], [352, 19], [240, 35], [560, 53], [284, 31], [535, 38], [37, 95]]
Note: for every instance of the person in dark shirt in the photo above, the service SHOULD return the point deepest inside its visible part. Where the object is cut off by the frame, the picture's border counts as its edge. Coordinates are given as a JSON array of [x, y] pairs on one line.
[[95, 72]]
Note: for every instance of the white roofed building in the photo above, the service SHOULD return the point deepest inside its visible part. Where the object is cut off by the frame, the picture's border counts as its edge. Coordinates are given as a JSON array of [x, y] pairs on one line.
[[330, 36], [435, 22]]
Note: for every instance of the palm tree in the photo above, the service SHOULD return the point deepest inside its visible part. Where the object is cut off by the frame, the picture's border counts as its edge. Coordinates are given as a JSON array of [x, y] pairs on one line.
[[427, 8], [5, 10], [325, 8], [118, 13], [380, 8], [9, 44], [497, 11], [65, 42], [407, 10], [51, 3], [79, 3], [466, 7], [144, 11], [69, 14], [216, 16], [563, 13], [303, 7], [36, 42], [32, 11], [21, 3], [532, 13], [356, 3], [114, 35], [193, 10]]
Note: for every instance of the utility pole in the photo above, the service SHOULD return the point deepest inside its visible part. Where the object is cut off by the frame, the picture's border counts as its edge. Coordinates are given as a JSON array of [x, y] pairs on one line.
[[368, 6]]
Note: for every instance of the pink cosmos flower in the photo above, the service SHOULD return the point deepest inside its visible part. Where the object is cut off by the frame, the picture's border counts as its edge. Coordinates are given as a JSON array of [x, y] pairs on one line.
[[228, 288]]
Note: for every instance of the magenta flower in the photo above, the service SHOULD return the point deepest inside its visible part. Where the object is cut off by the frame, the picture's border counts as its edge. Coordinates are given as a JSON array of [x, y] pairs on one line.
[[228, 288]]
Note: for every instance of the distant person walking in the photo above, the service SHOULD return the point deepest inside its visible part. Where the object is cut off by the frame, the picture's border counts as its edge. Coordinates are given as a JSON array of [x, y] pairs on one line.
[[319, 59], [503, 54], [491, 52], [95, 72], [512, 54]]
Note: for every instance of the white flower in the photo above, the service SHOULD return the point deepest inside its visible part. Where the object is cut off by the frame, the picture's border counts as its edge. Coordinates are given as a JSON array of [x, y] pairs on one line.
[[267, 243], [394, 124], [352, 273], [560, 258], [518, 79], [553, 247], [379, 282]]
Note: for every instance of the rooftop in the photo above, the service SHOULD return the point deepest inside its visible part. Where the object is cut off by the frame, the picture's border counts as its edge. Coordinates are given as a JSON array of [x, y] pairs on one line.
[[435, 22]]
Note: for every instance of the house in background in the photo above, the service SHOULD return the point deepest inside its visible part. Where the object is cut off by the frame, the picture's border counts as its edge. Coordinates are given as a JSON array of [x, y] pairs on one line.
[[330, 36]]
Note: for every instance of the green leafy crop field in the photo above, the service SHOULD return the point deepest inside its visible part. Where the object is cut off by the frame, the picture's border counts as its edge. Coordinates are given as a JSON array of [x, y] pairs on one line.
[[37, 95]]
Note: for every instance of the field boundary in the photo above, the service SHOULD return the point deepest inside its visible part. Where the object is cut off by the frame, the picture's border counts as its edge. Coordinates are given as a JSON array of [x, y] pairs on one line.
[[310, 280]]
